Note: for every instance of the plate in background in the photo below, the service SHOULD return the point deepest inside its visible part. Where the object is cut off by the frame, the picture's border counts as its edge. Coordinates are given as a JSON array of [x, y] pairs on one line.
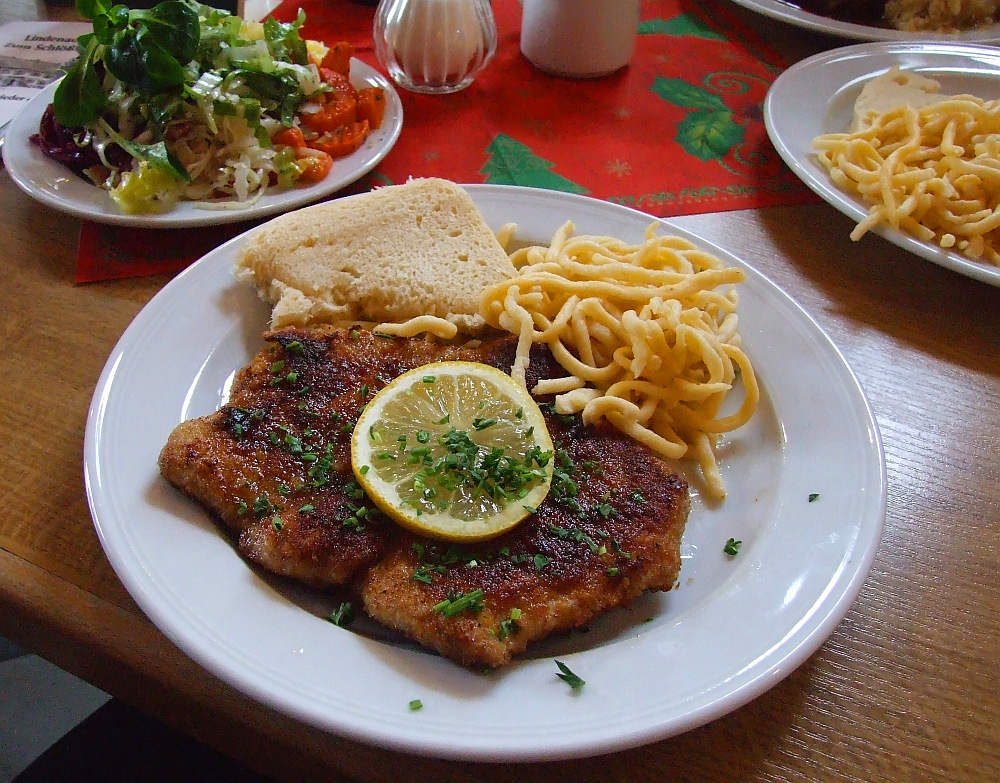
[[794, 15], [56, 186], [817, 96]]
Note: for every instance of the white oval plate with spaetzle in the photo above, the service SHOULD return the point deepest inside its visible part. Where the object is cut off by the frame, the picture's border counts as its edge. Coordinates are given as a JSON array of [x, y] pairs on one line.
[[817, 96], [806, 484]]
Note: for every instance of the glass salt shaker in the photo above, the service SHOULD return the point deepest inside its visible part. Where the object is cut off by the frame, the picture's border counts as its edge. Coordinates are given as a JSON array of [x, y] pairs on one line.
[[434, 46]]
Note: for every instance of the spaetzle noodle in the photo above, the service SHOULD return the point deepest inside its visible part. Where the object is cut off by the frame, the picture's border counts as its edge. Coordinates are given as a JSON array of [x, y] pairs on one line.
[[647, 335], [430, 324], [932, 171]]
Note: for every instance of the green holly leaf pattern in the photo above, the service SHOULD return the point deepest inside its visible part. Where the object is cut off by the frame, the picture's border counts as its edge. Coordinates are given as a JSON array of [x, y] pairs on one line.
[[513, 163], [709, 135], [687, 96], [684, 24]]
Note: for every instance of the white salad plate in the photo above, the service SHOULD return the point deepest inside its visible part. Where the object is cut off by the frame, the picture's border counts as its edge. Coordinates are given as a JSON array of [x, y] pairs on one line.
[[817, 96], [806, 496], [791, 13], [54, 185]]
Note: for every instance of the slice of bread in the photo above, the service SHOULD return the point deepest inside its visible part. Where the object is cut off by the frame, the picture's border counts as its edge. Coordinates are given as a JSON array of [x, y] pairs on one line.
[[892, 89], [398, 252]]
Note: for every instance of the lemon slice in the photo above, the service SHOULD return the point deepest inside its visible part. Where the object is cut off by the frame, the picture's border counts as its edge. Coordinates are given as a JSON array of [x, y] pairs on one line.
[[453, 450]]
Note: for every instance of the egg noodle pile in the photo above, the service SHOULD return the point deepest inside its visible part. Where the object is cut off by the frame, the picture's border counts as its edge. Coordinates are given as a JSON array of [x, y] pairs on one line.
[[647, 335], [932, 171]]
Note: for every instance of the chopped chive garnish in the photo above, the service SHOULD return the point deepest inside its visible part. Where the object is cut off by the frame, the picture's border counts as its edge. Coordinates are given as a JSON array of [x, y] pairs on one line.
[[813, 496], [416, 704], [458, 603]]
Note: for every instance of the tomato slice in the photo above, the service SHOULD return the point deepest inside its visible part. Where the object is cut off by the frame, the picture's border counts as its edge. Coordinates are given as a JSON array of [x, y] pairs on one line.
[[338, 58], [314, 167], [289, 137], [337, 80], [338, 110], [344, 140], [371, 105]]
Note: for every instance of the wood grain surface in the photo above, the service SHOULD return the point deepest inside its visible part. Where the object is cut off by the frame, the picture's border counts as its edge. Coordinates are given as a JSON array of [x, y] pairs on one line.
[[905, 689]]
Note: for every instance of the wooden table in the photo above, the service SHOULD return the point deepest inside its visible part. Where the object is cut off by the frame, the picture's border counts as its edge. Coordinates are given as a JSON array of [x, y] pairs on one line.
[[905, 689]]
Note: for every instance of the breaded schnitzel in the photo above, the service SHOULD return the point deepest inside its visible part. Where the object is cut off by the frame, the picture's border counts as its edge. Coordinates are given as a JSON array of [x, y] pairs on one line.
[[274, 466]]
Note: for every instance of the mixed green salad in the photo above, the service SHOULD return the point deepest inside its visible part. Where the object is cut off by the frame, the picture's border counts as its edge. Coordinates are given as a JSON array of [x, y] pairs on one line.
[[185, 101]]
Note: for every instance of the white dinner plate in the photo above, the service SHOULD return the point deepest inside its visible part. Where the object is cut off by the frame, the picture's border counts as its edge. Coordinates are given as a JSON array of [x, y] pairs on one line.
[[817, 96], [56, 186], [732, 629], [791, 13]]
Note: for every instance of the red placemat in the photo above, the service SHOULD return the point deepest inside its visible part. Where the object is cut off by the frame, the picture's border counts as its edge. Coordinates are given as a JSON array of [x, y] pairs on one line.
[[679, 131]]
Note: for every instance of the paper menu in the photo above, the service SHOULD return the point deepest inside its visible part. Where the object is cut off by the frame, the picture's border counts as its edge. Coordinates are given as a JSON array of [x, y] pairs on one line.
[[32, 54], [43, 46]]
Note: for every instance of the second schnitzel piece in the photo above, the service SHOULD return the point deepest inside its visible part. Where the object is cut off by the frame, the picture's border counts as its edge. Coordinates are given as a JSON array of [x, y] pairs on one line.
[[609, 530]]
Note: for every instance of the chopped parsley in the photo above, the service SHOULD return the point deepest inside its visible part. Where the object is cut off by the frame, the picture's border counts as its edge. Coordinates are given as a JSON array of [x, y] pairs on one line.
[[564, 487], [510, 626], [732, 547], [568, 419], [574, 534], [262, 506], [416, 704], [342, 615], [239, 420], [490, 471], [813, 497], [567, 676]]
